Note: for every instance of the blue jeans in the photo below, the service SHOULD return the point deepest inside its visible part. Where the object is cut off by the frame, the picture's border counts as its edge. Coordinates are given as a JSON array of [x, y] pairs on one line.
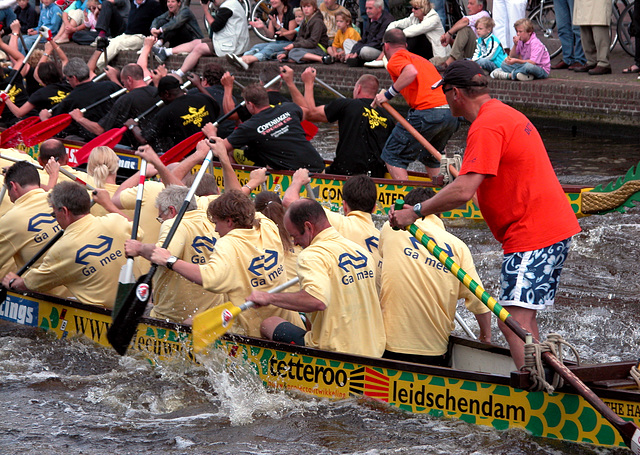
[[486, 64], [525, 68], [6, 17], [437, 125], [267, 51], [569, 34], [438, 5]]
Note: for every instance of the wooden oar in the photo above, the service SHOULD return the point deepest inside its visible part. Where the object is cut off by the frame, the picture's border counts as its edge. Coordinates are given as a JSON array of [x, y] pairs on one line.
[[417, 136], [211, 324], [628, 430], [126, 320], [127, 279], [44, 130]]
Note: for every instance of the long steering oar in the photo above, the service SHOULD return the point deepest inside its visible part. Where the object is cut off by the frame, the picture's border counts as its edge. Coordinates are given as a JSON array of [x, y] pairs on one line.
[[42, 131], [126, 320], [211, 324], [628, 430], [127, 280]]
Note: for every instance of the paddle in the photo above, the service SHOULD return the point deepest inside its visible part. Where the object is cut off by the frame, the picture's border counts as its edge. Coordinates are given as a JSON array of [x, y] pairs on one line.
[[628, 430], [11, 136], [44, 130], [125, 321], [211, 324], [126, 279], [331, 89], [5, 92]]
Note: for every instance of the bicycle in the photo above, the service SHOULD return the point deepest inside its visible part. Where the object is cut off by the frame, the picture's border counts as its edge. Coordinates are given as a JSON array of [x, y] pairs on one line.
[[626, 36]]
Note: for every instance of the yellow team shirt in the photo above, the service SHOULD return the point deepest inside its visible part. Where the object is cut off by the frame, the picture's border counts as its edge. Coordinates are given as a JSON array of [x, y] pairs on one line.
[[203, 201], [245, 260], [419, 294], [98, 210], [340, 273], [351, 33], [6, 204], [174, 297], [87, 260]]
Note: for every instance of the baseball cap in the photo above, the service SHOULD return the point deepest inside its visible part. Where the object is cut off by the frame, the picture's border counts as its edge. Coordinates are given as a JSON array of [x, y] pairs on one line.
[[460, 74], [168, 83]]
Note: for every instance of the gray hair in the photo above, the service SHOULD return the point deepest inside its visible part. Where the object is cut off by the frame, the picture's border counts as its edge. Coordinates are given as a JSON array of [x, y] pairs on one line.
[[72, 196], [378, 3], [78, 68], [173, 196]]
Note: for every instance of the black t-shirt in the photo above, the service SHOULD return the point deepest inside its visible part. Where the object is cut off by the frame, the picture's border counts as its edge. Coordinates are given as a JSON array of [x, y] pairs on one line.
[[48, 96], [363, 132], [177, 121], [127, 106], [17, 93], [31, 84], [84, 95], [277, 139], [217, 92]]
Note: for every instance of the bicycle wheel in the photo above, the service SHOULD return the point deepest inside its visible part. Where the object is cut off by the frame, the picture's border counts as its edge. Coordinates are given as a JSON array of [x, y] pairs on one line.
[[261, 12], [545, 27], [616, 10], [626, 39]]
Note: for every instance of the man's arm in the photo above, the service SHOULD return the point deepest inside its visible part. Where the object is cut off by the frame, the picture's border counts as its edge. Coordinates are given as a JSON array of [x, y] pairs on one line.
[[130, 183], [484, 321], [406, 77], [307, 102], [296, 301], [168, 178], [229, 176], [190, 271], [89, 125], [299, 180]]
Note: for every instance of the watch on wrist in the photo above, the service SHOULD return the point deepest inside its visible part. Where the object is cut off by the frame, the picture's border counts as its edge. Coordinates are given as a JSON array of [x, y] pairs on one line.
[[417, 210], [171, 261]]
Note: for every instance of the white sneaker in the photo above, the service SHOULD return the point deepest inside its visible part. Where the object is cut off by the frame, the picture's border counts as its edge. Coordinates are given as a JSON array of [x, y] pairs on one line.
[[374, 64], [499, 74], [524, 77], [237, 62]]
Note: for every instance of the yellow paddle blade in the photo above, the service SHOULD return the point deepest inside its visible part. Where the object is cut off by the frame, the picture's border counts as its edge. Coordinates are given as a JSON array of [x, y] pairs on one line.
[[210, 325]]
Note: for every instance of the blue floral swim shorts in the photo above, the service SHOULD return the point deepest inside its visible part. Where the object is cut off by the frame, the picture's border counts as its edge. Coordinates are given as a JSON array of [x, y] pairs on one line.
[[530, 279]]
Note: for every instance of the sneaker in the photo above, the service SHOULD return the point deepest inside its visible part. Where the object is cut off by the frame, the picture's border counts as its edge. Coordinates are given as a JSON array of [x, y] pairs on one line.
[[159, 54], [237, 62], [524, 77], [327, 59], [177, 75], [375, 64], [499, 74]]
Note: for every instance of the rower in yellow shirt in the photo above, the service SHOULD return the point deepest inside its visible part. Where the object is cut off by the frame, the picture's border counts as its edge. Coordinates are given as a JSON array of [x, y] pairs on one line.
[[247, 256], [87, 258], [337, 280], [419, 295], [53, 156], [175, 298]]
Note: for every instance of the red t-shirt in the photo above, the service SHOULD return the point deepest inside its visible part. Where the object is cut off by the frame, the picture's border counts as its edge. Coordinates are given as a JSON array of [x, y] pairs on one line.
[[520, 198], [418, 94]]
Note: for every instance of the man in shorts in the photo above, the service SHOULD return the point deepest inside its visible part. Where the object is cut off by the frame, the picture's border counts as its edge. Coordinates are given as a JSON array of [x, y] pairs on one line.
[[519, 196], [413, 76]]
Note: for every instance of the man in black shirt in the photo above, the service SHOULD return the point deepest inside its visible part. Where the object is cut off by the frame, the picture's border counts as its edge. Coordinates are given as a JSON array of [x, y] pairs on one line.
[[137, 100], [181, 116], [84, 93], [274, 134], [211, 83], [363, 130]]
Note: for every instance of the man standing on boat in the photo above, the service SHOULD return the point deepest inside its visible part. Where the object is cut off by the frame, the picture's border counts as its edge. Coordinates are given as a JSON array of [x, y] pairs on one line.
[[362, 129], [419, 296], [337, 281], [413, 76], [507, 166]]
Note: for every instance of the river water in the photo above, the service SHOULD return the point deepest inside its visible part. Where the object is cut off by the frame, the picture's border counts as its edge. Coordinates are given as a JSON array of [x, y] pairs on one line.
[[71, 397]]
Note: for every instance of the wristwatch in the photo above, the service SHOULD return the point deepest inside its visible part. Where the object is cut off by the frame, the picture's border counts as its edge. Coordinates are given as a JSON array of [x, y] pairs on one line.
[[172, 260], [417, 209]]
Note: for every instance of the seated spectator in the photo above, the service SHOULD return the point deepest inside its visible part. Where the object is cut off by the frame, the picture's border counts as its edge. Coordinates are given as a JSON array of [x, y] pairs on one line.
[[345, 31], [89, 33], [464, 44], [8, 13], [113, 18], [72, 21], [312, 41], [370, 46], [528, 58], [26, 13], [489, 53], [282, 27], [229, 34], [50, 17], [138, 25], [329, 10], [177, 25]]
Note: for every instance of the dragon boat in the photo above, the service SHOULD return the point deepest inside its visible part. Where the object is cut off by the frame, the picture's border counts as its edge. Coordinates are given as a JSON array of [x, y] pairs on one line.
[[585, 200], [480, 388]]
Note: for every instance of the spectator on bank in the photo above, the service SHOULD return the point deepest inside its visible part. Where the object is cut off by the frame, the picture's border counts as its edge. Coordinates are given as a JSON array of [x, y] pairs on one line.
[[345, 32], [370, 46], [462, 35], [72, 21], [228, 34], [312, 41], [506, 13], [594, 19], [282, 27], [50, 17], [569, 34], [89, 33], [26, 13], [178, 25], [8, 14], [113, 18], [489, 53], [528, 58], [635, 31], [329, 10]]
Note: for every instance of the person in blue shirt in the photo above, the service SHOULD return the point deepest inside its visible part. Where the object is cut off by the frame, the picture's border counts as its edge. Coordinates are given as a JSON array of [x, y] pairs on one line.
[[50, 17]]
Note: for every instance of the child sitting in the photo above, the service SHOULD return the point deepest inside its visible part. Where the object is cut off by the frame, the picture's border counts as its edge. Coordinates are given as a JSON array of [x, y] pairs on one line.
[[345, 31], [27, 15], [299, 17], [528, 59], [312, 41], [489, 53]]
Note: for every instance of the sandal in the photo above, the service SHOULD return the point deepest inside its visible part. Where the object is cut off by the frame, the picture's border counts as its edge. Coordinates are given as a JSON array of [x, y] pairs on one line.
[[631, 69]]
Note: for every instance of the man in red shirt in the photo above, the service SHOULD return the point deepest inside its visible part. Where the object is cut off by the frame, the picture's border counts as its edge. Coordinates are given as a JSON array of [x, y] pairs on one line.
[[507, 166], [413, 76]]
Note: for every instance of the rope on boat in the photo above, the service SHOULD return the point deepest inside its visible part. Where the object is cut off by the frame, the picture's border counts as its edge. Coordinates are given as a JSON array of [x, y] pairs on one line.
[[635, 373], [594, 202], [533, 362]]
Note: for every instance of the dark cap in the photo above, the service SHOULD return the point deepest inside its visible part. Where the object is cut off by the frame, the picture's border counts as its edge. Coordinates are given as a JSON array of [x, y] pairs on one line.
[[460, 74], [168, 83]]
